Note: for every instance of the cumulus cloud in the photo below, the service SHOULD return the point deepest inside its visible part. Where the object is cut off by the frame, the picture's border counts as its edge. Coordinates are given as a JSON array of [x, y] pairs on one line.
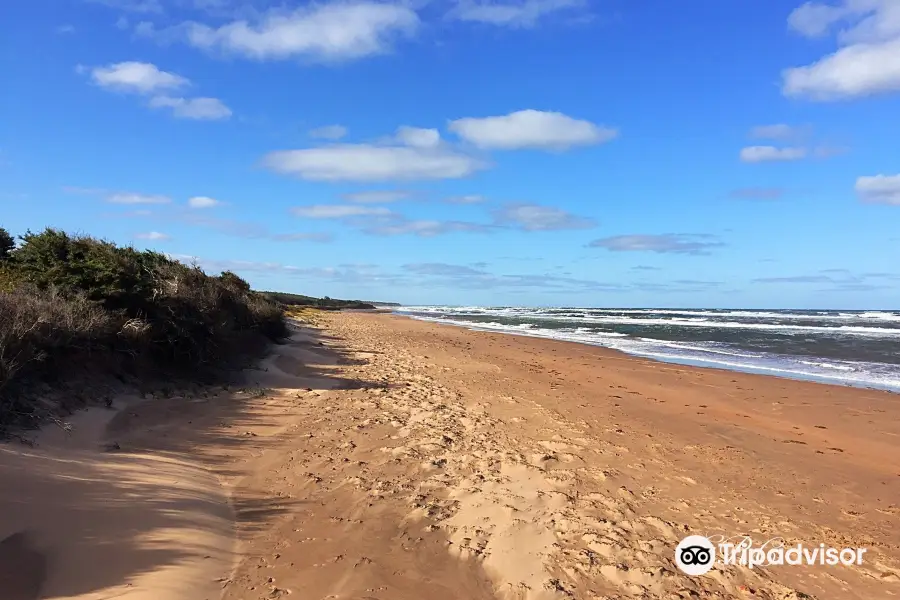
[[369, 162], [148, 80], [533, 217], [418, 137], [154, 236], [335, 31], [879, 189], [338, 211], [667, 243], [136, 77], [868, 59], [514, 14], [755, 154], [377, 196], [203, 202], [201, 109], [530, 129], [857, 70], [329, 132]]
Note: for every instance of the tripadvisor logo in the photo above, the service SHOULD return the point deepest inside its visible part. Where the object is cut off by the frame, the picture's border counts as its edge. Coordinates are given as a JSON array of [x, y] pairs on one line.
[[696, 554]]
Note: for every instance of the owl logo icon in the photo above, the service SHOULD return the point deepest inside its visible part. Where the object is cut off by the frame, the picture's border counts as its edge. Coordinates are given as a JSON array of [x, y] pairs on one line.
[[695, 555]]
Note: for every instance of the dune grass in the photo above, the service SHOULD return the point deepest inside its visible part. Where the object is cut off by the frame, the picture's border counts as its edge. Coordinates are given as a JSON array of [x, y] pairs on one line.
[[73, 307]]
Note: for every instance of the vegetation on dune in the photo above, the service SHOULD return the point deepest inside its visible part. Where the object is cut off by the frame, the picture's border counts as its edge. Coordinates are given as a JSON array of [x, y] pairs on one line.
[[325, 303], [72, 306]]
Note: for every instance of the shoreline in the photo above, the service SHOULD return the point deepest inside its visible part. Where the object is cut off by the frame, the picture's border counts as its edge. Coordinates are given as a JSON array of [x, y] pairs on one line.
[[374, 455], [824, 379]]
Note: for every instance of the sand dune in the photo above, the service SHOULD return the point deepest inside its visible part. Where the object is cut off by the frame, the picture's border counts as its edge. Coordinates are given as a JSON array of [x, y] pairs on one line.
[[82, 522], [383, 458]]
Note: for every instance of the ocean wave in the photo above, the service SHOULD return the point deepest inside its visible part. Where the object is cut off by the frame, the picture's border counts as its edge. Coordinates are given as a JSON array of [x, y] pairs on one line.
[[596, 318], [711, 354], [587, 312], [826, 365], [881, 316]]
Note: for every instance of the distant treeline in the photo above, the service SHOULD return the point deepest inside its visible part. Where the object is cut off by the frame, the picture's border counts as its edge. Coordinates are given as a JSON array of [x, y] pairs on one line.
[[325, 303]]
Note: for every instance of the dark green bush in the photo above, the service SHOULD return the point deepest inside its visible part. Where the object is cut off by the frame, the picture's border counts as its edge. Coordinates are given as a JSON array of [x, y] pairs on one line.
[[70, 300], [7, 243], [325, 303]]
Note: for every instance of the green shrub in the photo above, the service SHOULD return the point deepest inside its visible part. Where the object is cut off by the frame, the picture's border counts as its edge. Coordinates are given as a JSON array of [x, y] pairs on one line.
[[7, 243], [325, 303], [75, 300]]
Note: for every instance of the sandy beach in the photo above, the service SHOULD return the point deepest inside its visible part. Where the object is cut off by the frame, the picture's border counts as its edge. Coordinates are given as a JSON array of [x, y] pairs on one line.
[[378, 457]]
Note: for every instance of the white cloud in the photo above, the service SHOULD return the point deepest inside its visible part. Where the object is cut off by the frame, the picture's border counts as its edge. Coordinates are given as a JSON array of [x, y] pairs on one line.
[[203, 202], [148, 79], [519, 13], [776, 132], [532, 217], [879, 189], [417, 137], [470, 199], [136, 77], [336, 31], [153, 236], [338, 211], [858, 70], [366, 162], [134, 198], [813, 19], [666, 243], [138, 6], [868, 61], [329, 132], [201, 109], [399, 225], [63, 29], [755, 154], [530, 129], [868, 21], [377, 196]]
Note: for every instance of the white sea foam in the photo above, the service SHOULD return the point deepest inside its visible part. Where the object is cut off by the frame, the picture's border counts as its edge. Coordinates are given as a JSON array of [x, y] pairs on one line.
[[599, 318], [748, 314], [702, 353]]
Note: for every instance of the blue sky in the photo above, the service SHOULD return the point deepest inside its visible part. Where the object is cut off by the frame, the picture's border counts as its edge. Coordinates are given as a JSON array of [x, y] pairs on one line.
[[545, 152]]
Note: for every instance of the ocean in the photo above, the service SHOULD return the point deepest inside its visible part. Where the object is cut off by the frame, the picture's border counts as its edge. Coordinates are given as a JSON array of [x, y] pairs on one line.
[[857, 348]]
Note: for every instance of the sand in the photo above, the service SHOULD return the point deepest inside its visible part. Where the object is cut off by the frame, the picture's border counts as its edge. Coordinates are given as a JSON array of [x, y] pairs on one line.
[[377, 457]]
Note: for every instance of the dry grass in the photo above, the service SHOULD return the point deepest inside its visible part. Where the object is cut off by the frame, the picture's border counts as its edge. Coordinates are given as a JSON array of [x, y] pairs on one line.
[[77, 305]]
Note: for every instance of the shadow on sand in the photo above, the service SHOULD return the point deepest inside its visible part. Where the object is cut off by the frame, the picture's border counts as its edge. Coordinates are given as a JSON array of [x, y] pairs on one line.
[[82, 513]]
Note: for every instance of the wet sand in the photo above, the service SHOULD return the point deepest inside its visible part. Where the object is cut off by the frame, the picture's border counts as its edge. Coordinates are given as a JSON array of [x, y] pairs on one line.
[[378, 457]]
